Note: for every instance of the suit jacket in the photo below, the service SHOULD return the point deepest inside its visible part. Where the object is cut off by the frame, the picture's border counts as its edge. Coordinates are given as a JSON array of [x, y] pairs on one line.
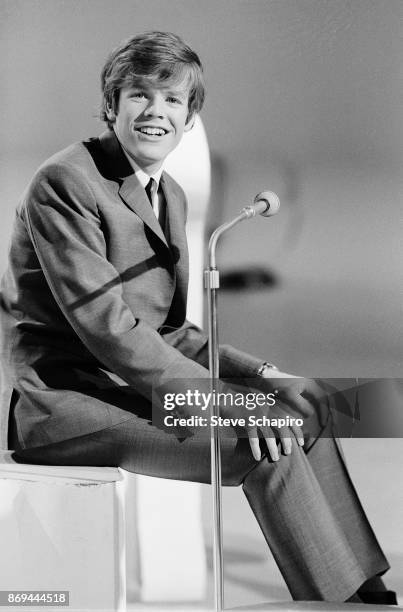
[[93, 301]]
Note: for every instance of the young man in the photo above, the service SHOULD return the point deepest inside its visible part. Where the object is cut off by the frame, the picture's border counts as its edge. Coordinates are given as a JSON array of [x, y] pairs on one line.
[[93, 316]]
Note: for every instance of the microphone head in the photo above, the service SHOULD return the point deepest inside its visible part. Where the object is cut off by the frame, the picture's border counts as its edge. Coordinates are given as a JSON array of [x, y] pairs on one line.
[[271, 200]]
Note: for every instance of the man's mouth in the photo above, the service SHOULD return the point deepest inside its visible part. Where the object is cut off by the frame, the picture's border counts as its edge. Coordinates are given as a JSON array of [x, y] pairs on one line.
[[152, 131]]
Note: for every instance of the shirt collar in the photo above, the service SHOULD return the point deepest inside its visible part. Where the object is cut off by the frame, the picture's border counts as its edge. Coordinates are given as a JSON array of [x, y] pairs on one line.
[[142, 176]]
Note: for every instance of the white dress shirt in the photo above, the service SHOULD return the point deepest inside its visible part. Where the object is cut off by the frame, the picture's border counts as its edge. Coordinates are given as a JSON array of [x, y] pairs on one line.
[[144, 179]]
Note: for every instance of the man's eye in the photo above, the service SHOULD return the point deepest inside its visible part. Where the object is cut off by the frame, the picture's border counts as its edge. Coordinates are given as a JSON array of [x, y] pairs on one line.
[[138, 94], [173, 100]]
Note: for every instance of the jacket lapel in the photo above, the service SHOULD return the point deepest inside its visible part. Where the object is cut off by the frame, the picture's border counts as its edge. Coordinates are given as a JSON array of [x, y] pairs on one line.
[[134, 195], [117, 167]]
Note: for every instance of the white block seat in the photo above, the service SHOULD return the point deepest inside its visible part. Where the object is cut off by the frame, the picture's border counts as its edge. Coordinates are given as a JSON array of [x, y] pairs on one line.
[[62, 529]]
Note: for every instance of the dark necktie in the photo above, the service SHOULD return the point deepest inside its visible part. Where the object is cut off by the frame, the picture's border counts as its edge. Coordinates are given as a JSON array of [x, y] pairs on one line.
[[150, 189], [151, 194]]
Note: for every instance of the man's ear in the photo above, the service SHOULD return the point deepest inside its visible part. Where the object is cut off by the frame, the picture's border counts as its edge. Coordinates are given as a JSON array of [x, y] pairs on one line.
[[190, 122], [110, 113]]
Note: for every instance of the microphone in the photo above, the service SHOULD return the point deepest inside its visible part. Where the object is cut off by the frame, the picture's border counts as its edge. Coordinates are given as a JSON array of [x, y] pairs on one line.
[[266, 203]]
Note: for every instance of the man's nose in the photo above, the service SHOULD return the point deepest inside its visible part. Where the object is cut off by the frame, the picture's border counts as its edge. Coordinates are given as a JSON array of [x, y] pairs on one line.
[[155, 106]]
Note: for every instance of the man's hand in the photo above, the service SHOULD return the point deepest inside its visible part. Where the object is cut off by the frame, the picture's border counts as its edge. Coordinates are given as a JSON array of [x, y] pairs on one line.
[[269, 434], [303, 395], [296, 397]]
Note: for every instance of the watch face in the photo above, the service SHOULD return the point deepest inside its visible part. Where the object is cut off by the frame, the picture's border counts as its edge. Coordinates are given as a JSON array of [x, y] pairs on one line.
[[266, 366]]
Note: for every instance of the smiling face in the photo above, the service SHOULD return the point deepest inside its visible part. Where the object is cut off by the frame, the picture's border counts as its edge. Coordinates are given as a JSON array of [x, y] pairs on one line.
[[150, 121]]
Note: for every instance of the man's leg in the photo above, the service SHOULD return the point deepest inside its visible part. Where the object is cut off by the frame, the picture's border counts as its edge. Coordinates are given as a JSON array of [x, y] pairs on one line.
[[138, 446], [306, 537], [313, 523]]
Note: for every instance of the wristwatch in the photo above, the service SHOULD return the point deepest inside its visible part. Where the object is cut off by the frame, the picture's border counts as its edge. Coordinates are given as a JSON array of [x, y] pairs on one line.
[[266, 364]]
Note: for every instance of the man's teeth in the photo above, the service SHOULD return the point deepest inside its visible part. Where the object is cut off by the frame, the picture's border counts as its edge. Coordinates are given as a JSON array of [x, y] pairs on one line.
[[151, 131]]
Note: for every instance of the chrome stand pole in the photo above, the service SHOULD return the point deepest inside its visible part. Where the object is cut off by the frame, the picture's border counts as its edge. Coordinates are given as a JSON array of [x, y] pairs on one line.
[[267, 204], [212, 283]]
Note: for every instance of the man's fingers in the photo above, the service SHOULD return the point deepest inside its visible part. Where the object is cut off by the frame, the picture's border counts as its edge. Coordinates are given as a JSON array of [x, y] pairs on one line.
[[285, 439], [272, 448], [271, 443], [298, 433], [287, 445], [254, 443]]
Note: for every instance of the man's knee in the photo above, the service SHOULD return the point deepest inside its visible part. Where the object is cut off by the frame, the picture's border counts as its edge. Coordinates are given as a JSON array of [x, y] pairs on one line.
[[236, 463], [275, 474]]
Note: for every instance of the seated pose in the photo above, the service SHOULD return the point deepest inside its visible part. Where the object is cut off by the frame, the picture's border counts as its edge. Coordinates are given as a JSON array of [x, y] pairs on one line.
[[93, 317]]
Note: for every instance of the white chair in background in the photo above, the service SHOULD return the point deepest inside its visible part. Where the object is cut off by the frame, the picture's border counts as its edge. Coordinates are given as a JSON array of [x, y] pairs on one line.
[[168, 513]]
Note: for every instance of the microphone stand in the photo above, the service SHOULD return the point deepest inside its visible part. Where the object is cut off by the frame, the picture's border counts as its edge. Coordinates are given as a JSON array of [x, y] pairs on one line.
[[212, 284]]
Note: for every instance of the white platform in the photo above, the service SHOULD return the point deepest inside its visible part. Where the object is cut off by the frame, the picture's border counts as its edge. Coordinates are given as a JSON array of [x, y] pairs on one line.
[[62, 529]]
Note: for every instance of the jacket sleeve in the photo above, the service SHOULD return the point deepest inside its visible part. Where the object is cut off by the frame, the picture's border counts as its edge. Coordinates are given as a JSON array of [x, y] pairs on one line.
[[62, 219], [193, 342]]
